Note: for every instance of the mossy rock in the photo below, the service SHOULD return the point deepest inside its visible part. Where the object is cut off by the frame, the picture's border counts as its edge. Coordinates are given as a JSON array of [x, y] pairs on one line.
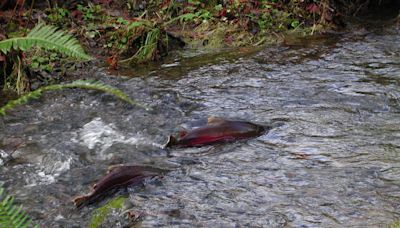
[[395, 224], [100, 214]]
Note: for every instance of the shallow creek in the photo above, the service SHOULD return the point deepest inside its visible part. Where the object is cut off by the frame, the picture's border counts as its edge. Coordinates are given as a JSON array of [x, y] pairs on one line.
[[332, 158]]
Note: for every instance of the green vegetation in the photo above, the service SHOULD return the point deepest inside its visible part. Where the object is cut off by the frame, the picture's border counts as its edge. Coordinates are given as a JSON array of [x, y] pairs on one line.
[[41, 36], [147, 33], [47, 37], [100, 214], [395, 225], [12, 216], [83, 84], [140, 33], [44, 62], [58, 15], [90, 12]]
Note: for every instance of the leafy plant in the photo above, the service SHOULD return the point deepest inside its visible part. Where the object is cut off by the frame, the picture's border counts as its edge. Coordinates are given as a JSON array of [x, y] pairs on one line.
[[200, 15], [147, 36], [137, 24], [11, 215], [89, 12], [295, 23], [47, 37], [150, 45], [43, 62], [58, 15], [43, 36], [83, 84]]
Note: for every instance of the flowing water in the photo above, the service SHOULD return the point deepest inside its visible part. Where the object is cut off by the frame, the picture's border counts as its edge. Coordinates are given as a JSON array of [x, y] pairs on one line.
[[332, 158]]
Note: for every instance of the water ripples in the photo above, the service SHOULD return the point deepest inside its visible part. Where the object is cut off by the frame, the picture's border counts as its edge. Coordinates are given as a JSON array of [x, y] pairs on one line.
[[331, 158]]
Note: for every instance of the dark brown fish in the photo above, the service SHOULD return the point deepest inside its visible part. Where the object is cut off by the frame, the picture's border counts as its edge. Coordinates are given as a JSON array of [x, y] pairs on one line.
[[118, 176], [217, 130]]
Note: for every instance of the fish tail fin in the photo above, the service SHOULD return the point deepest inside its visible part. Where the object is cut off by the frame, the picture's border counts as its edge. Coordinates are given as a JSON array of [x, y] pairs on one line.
[[80, 200], [171, 141]]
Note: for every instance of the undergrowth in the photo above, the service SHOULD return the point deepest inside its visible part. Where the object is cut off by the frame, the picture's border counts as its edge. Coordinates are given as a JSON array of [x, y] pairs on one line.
[[11, 215], [142, 33], [14, 68]]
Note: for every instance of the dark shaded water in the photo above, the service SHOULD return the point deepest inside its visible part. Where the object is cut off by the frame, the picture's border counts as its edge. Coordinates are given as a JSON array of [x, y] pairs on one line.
[[332, 158]]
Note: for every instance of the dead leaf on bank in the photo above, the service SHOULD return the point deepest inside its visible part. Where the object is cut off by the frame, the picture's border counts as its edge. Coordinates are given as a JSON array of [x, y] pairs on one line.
[[113, 62]]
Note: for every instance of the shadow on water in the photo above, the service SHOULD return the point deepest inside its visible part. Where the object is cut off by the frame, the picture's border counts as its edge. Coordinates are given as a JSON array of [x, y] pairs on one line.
[[330, 160]]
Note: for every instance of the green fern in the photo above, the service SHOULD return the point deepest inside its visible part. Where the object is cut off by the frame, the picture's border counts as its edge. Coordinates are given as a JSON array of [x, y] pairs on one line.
[[138, 24], [11, 215], [147, 50], [47, 37], [83, 84]]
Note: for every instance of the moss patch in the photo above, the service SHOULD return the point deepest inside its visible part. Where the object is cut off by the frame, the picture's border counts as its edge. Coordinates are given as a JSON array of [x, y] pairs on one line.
[[100, 214], [395, 224]]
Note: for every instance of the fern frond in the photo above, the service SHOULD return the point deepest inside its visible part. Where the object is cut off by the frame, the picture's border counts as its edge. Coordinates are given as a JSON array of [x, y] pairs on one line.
[[47, 37], [147, 50], [11, 215], [83, 84], [137, 24]]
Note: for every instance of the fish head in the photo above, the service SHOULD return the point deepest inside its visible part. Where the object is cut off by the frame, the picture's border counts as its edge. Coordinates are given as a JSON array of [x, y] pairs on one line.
[[256, 129], [261, 129]]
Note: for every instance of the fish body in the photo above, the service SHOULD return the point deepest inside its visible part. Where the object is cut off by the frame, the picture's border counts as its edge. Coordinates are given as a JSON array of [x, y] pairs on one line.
[[118, 176], [217, 130]]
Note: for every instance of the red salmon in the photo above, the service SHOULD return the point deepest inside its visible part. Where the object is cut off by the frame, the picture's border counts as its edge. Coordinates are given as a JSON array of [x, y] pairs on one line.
[[217, 130], [118, 176]]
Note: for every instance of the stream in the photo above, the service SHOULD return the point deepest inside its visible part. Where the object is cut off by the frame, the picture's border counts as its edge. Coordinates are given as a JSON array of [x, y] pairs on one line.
[[331, 159]]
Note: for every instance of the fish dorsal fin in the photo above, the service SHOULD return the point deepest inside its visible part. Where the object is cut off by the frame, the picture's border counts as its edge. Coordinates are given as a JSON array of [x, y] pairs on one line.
[[214, 120], [113, 167]]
